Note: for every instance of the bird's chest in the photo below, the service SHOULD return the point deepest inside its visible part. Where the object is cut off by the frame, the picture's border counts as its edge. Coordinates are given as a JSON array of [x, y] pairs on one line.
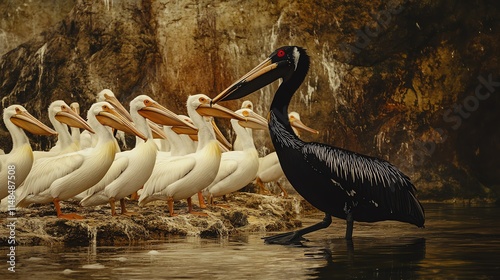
[[22, 160], [144, 155], [311, 183], [208, 161]]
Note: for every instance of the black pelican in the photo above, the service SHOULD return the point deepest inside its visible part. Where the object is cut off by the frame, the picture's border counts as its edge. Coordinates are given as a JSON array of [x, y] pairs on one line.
[[131, 169], [269, 166], [341, 183], [61, 177], [238, 168], [61, 116], [181, 177], [20, 158]]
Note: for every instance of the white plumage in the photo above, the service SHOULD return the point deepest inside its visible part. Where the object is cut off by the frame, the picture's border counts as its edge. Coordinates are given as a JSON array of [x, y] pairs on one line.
[[181, 177], [62, 177], [20, 158], [61, 116], [130, 169], [238, 168]]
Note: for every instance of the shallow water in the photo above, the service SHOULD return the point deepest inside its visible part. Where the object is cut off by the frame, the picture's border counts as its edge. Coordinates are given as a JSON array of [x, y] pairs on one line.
[[459, 242]]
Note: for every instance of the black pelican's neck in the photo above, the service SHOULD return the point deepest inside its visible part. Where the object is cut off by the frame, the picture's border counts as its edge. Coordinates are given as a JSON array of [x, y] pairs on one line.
[[290, 84], [281, 131]]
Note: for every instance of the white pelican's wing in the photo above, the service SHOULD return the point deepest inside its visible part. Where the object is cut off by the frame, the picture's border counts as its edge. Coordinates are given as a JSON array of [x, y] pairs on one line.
[[268, 161], [117, 167], [226, 168], [46, 171], [165, 173]]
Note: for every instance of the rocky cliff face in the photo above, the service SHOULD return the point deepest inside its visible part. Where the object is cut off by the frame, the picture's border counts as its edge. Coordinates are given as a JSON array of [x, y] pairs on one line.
[[413, 82]]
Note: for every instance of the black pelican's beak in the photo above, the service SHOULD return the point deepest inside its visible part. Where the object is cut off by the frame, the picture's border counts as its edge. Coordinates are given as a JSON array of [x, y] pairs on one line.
[[275, 67]]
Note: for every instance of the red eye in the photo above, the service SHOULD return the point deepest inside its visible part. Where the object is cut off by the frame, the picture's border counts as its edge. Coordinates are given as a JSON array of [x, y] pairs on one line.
[[281, 53]]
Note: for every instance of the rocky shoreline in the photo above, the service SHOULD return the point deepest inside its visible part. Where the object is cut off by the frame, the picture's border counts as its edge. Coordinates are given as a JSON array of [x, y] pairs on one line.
[[244, 212]]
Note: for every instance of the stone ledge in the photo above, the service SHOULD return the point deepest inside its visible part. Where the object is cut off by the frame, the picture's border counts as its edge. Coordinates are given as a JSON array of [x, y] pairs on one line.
[[247, 212]]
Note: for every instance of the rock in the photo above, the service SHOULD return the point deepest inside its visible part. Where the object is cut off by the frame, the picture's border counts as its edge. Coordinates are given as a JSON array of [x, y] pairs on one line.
[[412, 82], [246, 212]]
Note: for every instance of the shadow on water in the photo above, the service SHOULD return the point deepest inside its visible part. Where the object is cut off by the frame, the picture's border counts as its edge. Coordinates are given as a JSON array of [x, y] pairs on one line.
[[369, 259], [457, 243]]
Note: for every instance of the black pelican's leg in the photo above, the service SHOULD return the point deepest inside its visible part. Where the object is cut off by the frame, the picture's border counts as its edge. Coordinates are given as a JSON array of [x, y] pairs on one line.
[[350, 225], [295, 237]]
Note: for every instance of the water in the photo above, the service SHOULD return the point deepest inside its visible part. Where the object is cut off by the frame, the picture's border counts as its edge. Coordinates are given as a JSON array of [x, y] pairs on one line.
[[459, 242]]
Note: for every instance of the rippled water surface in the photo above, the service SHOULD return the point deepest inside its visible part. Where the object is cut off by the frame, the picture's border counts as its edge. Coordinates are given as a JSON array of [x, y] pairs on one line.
[[459, 242]]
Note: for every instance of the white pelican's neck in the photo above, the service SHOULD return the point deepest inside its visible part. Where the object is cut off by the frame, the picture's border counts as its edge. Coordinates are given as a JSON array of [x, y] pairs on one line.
[[177, 147], [75, 135], [102, 132], [18, 135], [205, 130], [63, 137], [142, 125], [244, 135]]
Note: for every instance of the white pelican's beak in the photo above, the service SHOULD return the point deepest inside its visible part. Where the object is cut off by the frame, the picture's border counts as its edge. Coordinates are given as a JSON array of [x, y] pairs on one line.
[[188, 128], [253, 120], [300, 125], [156, 130], [219, 111], [71, 118], [26, 121], [118, 106], [159, 114], [110, 117]]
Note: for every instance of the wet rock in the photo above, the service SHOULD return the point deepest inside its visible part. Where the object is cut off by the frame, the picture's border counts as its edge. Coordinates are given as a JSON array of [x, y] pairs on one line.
[[244, 212]]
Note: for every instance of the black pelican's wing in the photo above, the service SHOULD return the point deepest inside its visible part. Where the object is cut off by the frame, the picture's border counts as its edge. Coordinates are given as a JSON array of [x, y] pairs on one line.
[[367, 179]]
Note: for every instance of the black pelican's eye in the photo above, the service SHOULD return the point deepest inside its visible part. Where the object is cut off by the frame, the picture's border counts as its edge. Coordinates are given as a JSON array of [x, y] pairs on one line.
[[281, 53]]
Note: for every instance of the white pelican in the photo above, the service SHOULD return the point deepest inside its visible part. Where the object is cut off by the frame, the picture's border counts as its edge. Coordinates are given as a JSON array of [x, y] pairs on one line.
[[237, 146], [64, 176], [182, 177], [238, 168], [75, 131], [131, 169], [20, 158], [60, 116], [269, 165], [183, 140], [90, 140], [109, 96]]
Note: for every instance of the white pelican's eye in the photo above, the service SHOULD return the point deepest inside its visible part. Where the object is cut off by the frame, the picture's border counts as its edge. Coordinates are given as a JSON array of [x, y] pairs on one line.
[[202, 99], [147, 102]]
